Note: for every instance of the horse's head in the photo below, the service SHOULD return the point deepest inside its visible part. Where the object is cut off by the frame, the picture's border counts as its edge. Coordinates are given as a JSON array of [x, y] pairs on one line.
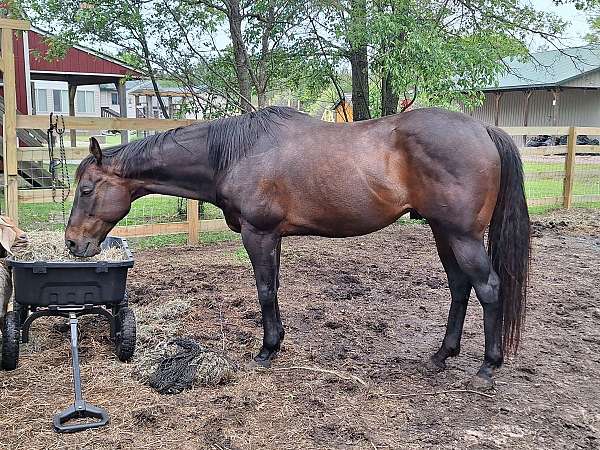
[[102, 199]]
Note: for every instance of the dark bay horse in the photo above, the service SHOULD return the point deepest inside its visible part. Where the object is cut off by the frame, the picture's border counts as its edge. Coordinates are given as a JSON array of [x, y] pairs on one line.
[[277, 172]]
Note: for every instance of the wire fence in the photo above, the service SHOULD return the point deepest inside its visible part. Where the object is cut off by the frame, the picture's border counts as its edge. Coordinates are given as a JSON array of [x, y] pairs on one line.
[[586, 188], [46, 186], [559, 171], [40, 194], [544, 175]]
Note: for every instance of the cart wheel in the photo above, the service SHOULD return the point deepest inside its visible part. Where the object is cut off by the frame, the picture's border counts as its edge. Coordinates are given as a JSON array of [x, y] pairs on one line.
[[11, 338], [125, 338], [22, 312], [123, 304]]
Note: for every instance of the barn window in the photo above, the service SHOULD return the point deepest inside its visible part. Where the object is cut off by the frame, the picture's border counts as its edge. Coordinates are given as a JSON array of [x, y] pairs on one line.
[[41, 100], [61, 100], [86, 102]]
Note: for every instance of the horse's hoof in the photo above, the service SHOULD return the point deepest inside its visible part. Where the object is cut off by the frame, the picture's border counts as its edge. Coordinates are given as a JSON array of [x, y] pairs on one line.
[[435, 365], [254, 364], [258, 365], [481, 383]]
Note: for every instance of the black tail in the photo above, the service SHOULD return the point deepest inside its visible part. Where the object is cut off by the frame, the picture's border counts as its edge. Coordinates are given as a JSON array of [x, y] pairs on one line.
[[509, 239]]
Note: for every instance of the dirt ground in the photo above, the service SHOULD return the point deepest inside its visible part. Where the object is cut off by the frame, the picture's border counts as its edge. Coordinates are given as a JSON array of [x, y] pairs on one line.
[[373, 307]]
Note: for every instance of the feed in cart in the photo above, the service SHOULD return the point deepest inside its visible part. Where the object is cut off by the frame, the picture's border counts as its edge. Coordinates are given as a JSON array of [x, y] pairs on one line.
[[50, 246]]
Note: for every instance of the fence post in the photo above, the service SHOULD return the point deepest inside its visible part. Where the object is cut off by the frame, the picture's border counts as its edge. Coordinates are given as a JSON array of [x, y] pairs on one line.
[[9, 123], [569, 168], [193, 222]]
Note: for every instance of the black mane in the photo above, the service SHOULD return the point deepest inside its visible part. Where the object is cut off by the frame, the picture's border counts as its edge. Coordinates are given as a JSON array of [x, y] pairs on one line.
[[233, 138], [127, 158], [228, 140]]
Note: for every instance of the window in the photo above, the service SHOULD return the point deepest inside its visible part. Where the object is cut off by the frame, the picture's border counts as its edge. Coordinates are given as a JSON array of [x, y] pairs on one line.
[[114, 98], [41, 100], [61, 101], [86, 102]]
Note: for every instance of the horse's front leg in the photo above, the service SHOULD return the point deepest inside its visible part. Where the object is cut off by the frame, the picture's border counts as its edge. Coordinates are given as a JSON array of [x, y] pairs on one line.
[[264, 249]]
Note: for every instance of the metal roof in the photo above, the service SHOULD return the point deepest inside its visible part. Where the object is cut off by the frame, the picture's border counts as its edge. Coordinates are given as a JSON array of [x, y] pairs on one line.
[[91, 51], [548, 68]]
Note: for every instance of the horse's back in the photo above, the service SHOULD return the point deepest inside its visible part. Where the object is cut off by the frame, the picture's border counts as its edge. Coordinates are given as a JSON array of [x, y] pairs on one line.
[[351, 179]]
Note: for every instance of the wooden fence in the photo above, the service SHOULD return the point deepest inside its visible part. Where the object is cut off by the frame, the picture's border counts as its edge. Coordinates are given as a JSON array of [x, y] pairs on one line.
[[574, 172], [192, 225], [555, 175]]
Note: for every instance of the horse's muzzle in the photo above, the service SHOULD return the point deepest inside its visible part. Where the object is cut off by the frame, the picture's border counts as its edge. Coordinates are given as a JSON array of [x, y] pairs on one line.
[[82, 249]]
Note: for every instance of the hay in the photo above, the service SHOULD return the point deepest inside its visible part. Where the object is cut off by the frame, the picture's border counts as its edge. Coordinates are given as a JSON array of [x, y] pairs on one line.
[[50, 246]]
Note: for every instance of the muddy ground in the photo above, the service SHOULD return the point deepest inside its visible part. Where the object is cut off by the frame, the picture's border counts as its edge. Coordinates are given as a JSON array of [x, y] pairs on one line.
[[374, 307]]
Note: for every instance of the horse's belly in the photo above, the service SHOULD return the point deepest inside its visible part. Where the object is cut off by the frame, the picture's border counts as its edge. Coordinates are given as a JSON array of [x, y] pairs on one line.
[[349, 212]]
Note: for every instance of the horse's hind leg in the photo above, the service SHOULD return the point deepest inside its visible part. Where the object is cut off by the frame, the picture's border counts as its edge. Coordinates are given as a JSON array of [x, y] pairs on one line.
[[460, 290], [474, 261]]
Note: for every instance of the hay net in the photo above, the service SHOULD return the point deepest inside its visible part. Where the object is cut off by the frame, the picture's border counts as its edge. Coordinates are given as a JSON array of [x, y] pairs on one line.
[[187, 363]]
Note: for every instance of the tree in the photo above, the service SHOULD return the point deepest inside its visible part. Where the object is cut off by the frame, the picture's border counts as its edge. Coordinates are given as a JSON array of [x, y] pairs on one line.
[[182, 40], [261, 39], [593, 8], [440, 51]]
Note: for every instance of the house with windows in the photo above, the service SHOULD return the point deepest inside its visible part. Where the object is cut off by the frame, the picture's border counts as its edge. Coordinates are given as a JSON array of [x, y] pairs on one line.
[[69, 85], [142, 100], [53, 96]]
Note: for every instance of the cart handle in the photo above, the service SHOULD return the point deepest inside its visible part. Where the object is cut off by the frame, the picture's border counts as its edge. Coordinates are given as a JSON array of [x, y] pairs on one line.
[[80, 410]]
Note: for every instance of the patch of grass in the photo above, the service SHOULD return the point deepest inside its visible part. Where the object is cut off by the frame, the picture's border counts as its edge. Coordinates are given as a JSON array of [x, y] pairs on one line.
[[214, 237], [542, 209], [209, 211], [586, 181], [403, 221], [241, 255], [144, 210], [534, 166], [165, 240], [152, 242]]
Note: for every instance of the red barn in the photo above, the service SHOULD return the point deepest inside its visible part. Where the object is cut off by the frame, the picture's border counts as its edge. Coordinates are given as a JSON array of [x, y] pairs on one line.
[[80, 66]]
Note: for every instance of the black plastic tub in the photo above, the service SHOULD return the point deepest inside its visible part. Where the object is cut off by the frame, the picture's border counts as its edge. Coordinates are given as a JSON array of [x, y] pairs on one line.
[[72, 283]]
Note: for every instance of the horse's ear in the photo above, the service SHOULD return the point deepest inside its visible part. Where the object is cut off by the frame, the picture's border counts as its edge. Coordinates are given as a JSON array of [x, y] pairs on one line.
[[96, 150]]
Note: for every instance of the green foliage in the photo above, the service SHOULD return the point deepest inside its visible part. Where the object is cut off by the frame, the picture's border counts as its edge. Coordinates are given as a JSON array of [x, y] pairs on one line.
[[593, 9], [445, 49]]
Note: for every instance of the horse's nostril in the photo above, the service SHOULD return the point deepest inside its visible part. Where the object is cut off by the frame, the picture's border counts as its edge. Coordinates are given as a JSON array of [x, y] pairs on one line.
[[70, 244]]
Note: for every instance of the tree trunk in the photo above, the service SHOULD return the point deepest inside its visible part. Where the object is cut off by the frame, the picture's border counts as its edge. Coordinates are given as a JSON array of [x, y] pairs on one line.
[[262, 99], [150, 69], [242, 71], [389, 98], [359, 61]]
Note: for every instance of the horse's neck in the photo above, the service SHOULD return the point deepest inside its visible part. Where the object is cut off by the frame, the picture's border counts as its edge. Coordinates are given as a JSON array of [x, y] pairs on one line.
[[179, 167]]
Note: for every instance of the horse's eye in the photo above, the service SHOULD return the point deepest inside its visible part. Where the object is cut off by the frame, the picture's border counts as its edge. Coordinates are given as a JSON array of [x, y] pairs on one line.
[[86, 190]]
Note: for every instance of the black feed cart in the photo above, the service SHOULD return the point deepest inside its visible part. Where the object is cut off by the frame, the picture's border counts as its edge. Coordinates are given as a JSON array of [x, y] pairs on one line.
[[71, 289]]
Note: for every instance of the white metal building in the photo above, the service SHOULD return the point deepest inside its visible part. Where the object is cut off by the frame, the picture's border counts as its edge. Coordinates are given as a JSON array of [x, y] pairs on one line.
[[553, 88]]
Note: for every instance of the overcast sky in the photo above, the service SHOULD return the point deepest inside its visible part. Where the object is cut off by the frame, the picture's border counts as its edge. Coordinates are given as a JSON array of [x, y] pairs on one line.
[[578, 26]]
